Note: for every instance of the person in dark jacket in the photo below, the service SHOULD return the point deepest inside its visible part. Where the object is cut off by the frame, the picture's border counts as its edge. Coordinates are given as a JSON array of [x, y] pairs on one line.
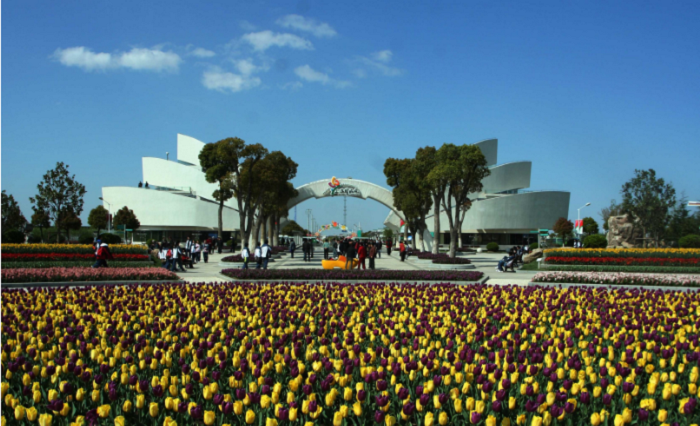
[[292, 247], [349, 256]]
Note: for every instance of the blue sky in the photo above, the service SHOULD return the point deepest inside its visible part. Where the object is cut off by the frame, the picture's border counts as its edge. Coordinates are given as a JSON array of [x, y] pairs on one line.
[[588, 91]]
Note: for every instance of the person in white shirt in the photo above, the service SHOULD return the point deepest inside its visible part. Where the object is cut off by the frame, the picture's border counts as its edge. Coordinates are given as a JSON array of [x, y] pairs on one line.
[[196, 250], [177, 258], [258, 256], [245, 254], [266, 253]]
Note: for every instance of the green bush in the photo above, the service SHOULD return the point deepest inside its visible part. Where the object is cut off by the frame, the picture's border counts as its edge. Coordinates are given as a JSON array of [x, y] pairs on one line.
[[690, 241], [111, 238], [33, 239], [86, 237], [492, 246], [534, 246], [595, 241], [13, 237]]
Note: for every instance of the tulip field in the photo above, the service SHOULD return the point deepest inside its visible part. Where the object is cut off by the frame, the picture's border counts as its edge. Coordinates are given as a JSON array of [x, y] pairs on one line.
[[337, 354], [629, 257]]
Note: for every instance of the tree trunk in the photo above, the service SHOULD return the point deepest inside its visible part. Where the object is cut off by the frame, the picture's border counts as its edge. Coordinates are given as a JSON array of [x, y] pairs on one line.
[[436, 224], [459, 235], [453, 241], [263, 232], [221, 218]]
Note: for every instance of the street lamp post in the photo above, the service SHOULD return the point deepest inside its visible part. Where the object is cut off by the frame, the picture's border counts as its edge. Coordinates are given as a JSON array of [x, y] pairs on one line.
[[109, 212], [579, 215]]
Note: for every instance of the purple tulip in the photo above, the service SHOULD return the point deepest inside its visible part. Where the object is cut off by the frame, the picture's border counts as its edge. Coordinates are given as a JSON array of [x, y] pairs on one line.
[[607, 399], [642, 414], [379, 416], [409, 408], [361, 395], [475, 418], [585, 397], [496, 406]]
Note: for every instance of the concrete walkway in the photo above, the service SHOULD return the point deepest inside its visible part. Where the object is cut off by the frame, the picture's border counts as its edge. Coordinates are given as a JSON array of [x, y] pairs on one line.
[[484, 262]]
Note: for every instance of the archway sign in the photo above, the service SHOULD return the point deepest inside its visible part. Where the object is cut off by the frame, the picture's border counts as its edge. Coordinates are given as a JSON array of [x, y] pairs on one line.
[[334, 187]]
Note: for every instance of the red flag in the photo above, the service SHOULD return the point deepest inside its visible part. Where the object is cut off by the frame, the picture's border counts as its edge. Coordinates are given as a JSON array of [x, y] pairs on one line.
[[402, 223]]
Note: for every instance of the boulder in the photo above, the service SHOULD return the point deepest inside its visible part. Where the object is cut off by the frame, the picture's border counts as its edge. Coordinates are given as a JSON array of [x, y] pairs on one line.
[[531, 257], [624, 232]]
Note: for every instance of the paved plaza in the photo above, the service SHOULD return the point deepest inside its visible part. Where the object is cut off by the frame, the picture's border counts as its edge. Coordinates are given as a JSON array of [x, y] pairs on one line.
[[484, 262]]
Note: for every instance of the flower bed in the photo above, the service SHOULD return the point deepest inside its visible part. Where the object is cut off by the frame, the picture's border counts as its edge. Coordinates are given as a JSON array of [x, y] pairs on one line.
[[612, 268], [296, 354], [430, 256], [624, 253], [449, 261], [239, 259], [353, 274], [43, 257], [630, 261], [24, 275], [75, 263], [618, 278], [70, 248]]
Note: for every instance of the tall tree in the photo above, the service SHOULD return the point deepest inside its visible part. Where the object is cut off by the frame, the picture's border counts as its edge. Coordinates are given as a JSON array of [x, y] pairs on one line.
[[462, 168], [650, 200], [412, 195], [394, 170], [59, 193], [426, 161], [12, 217], [98, 218], [682, 222], [69, 221], [613, 209], [563, 227], [41, 220], [590, 226]]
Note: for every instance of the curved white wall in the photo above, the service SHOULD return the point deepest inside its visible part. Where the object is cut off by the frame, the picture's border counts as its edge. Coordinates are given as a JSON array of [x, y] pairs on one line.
[[489, 148], [162, 209], [508, 176], [188, 149]]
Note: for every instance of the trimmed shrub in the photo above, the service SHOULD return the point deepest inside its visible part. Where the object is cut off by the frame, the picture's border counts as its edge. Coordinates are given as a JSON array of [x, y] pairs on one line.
[[13, 237], [690, 241], [595, 241], [110, 238], [534, 246], [86, 238], [492, 246]]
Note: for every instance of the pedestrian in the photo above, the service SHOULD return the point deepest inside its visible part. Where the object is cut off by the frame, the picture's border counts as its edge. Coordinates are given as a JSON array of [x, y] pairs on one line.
[[292, 247], [205, 250], [335, 249], [188, 246], [361, 255], [177, 258], [258, 255], [402, 250], [245, 254], [379, 248], [349, 256], [266, 253], [372, 254], [326, 249], [196, 247], [389, 243], [103, 255], [305, 249]]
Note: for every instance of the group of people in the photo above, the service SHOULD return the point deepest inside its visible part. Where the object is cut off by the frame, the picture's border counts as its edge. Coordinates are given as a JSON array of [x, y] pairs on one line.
[[515, 256], [173, 257], [262, 255]]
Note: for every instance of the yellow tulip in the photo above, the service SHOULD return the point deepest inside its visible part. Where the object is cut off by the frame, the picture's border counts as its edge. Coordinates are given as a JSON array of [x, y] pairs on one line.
[[140, 401], [505, 421], [65, 410], [357, 408], [169, 422], [270, 422], [536, 421], [429, 419], [618, 420], [209, 418], [293, 413], [32, 414], [153, 409], [119, 421], [103, 410], [595, 419], [490, 421], [265, 401], [36, 396], [663, 414], [390, 420], [458, 405], [480, 407], [512, 402], [250, 416], [53, 395], [20, 412], [209, 395], [347, 394], [127, 406], [45, 420], [443, 419], [238, 408], [95, 395]]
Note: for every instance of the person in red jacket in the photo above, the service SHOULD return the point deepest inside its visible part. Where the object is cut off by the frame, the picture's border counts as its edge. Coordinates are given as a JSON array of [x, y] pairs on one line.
[[361, 255], [103, 255], [402, 250]]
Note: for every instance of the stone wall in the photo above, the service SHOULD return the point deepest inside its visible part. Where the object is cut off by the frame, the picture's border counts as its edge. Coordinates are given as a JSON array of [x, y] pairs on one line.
[[624, 232]]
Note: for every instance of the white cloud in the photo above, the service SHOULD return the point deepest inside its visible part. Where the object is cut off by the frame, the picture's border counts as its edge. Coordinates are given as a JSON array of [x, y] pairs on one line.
[[202, 53], [136, 59], [305, 72], [383, 56], [292, 86], [378, 62], [247, 67], [263, 40], [216, 79], [297, 22], [360, 73]]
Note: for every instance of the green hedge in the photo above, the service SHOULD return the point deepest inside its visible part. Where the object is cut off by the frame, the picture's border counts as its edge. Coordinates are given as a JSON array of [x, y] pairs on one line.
[[74, 263], [602, 268], [690, 241], [595, 241], [534, 246], [492, 246]]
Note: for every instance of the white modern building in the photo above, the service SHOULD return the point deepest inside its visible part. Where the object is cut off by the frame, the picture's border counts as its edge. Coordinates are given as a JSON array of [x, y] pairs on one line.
[[176, 201]]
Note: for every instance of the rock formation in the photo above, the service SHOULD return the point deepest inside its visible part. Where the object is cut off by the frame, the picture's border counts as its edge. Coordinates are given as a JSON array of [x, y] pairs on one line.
[[623, 232], [531, 257]]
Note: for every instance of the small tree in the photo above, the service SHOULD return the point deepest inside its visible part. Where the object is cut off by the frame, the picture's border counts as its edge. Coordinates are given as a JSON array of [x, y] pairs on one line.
[[59, 193], [12, 217], [388, 234], [126, 216], [70, 222], [41, 220], [650, 200], [563, 227], [98, 218], [613, 210], [590, 226]]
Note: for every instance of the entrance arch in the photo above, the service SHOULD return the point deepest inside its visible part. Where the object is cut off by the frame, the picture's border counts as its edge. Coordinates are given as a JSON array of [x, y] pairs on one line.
[[351, 188]]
